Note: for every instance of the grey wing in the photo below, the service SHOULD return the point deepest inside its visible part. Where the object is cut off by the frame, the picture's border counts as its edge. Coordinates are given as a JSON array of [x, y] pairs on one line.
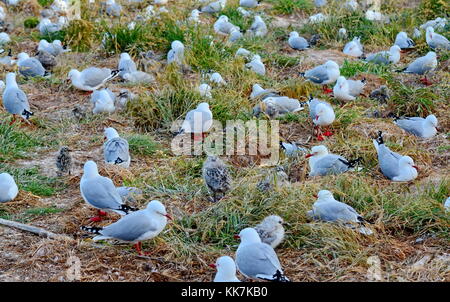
[[299, 43], [388, 161], [126, 66], [130, 227], [115, 149], [257, 259], [419, 66], [287, 104], [32, 67], [101, 193], [440, 41], [93, 76], [335, 211], [329, 164], [355, 87], [312, 107], [411, 125], [317, 75], [15, 101]]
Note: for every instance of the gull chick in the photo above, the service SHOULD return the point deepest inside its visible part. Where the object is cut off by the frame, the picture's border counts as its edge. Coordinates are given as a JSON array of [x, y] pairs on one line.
[[216, 176], [64, 161], [271, 230]]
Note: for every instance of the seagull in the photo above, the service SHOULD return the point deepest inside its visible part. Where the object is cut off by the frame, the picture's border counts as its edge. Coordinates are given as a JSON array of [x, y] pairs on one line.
[[138, 77], [447, 204], [176, 53], [223, 26], [205, 90], [385, 57], [259, 92], [91, 78], [116, 149], [100, 192], [436, 41], [216, 176], [393, 165], [113, 9], [15, 100], [271, 230], [257, 260], [4, 38], [326, 208], [30, 67], [423, 65], [323, 163], [46, 26], [256, 65], [248, 3], [198, 120], [402, 41], [235, 34], [354, 48], [421, 127], [126, 64], [8, 188], [226, 270], [8, 60], [322, 114], [291, 149], [136, 227], [317, 18], [242, 52], [47, 60], [342, 33], [258, 27], [214, 7], [348, 90], [275, 106], [64, 161], [103, 102], [297, 42], [195, 16], [323, 74], [275, 178], [216, 78]]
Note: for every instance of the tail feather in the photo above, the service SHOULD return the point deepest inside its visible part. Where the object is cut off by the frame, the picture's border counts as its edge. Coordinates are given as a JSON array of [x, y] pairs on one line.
[[27, 113], [401, 70], [364, 80], [379, 139], [301, 74], [93, 230], [277, 277], [114, 73], [126, 209]]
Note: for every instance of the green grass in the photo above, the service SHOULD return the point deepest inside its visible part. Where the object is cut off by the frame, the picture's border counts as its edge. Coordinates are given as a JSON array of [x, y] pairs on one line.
[[353, 68], [31, 180], [288, 7], [119, 38], [142, 145], [28, 214], [14, 142], [45, 3]]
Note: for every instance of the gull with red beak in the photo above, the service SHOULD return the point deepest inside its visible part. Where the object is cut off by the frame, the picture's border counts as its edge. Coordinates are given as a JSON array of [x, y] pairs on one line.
[[348, 90], [421, 127], [322, 163], [226, 270], [257, 260], [136, 227], [323, 74], [394, 166], [322, 114]]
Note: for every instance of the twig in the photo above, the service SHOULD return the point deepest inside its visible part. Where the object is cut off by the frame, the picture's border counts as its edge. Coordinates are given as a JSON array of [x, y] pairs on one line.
[[32, 229]]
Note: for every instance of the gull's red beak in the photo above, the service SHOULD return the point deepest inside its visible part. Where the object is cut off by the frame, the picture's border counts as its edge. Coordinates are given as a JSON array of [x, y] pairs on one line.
[[213, 265], [317, 117], [168, 217], [315, 196], [415, 167], [236, 237], [309, 155]]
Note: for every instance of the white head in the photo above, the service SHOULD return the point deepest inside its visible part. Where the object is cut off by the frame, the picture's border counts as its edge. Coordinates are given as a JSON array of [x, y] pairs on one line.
[[395, 49], [203, 106], [318, 151], [324, 195], [44, 43], [342, 82], [432, 120], [225, 266], [273, 221], [431, 55], [110, 133], [406, 161], [249, 235], [177, 45], [430, 31], [195, 13], [293, 34], [257, 88], [73, 74], [258, 19], [125, 56], [321, 110], [342, 31], [331, 65], [158, 208], [23, 56], [402, 34], [223, 18], [256, 58], [57, 42], [6, 178], [90, 169]]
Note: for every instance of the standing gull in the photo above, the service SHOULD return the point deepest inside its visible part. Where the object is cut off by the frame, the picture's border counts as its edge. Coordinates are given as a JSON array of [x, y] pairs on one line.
[[176, 53], [116, 149], [100, 192], [8, 188], [322, 114], [322, 163], [15, 100], [393, 165], [216, 176], [423, 65], [226, 270], [136, 227], [323, 74], [257, 260], [271, 230]]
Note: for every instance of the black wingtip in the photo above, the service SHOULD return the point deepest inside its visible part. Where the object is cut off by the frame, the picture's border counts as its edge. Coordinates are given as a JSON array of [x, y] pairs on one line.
[[364, 80], [301, 74], [27, 114], [93, 230], [127, 209], [379, 139]]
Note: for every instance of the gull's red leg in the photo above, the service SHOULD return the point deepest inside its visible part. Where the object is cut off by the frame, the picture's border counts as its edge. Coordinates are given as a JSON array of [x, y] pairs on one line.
[[138, 247], [13, 120], [426, 82], [102, 213], [328, 132], [326, 89]]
